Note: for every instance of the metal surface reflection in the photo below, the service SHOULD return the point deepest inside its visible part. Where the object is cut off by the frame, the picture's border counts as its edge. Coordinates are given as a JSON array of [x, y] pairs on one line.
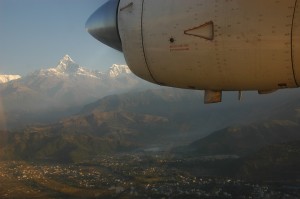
[[103, 24]]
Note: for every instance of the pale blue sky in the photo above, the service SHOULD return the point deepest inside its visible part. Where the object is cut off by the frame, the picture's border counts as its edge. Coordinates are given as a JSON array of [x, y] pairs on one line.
[[37, 33]]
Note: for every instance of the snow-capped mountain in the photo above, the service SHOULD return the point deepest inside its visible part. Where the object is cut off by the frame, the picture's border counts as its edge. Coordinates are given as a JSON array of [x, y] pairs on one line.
[[116, 70], [64, 87], [71, 83], [68, 68], [7, 78]]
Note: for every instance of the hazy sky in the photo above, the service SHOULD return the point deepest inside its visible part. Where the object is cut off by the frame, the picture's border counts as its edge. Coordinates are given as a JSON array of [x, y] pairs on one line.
[[38, 33]]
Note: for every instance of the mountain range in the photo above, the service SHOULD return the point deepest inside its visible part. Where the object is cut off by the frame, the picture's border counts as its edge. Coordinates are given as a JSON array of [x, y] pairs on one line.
[[162, 119], [49, 94]]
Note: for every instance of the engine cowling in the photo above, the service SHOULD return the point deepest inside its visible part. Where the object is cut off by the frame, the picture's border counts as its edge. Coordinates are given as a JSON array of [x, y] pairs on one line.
[[212, 45]]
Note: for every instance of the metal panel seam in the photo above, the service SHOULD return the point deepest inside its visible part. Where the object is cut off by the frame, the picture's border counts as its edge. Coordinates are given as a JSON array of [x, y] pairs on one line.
[[292, 49], [142, 36]]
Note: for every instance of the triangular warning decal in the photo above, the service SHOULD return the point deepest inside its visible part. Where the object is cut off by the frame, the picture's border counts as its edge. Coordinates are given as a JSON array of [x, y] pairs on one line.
[[205, 31]]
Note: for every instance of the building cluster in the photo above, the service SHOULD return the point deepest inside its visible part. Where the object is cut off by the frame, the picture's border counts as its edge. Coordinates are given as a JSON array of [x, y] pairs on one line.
[[132, 176]]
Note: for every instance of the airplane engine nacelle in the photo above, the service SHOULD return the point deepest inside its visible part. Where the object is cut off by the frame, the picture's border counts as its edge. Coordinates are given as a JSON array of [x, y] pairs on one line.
[[210, 44]]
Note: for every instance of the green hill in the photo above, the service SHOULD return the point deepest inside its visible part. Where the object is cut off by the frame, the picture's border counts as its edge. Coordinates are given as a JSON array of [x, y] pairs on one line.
[[243, 140]]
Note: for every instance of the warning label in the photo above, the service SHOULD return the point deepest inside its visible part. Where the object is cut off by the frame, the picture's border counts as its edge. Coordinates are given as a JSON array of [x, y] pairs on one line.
[[180, 47]]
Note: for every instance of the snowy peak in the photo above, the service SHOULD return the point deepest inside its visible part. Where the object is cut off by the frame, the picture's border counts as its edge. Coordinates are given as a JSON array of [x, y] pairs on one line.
[[67, 58], [67, 68], [66, 64], [66, 61], [7, 78], [117, 70]]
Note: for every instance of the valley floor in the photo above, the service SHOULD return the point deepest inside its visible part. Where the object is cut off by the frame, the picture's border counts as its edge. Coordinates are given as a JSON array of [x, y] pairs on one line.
[[139, 175]]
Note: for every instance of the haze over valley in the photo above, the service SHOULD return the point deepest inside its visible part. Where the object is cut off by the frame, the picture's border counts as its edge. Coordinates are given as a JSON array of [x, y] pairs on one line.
[[68, 114]]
